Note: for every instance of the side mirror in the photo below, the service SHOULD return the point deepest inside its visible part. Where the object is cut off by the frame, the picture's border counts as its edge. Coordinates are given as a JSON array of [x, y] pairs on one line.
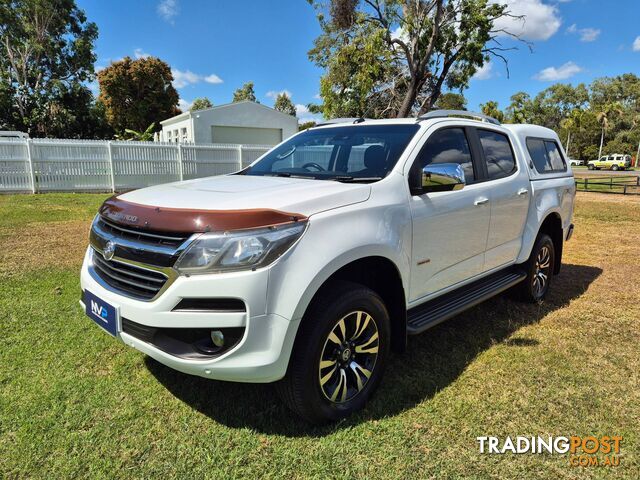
[[438, 177]]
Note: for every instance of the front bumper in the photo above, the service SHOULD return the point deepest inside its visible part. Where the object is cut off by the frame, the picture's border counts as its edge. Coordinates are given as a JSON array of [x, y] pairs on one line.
[[260, 356]]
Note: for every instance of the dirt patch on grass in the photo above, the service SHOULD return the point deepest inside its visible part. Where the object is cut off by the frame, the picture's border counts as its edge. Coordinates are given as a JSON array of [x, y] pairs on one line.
[[42, 246], [608, 198]]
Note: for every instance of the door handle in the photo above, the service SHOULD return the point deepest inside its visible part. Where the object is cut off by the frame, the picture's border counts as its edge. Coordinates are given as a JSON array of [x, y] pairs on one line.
[[481, 201], [523, 191]]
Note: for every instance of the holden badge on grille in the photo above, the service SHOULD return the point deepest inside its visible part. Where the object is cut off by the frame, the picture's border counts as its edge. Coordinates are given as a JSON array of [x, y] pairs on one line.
[[109, 250]]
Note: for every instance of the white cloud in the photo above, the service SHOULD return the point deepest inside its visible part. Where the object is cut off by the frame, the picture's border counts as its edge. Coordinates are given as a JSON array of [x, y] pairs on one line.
[[213, 78], [304, 115], [301, 110], [589, 34], [183, 78], [274, 93], [484, 72], [540, 21], [586, 34], [552, 74], [400, 34], [636, 44], [139, 53], [167, 9], [184, 105]]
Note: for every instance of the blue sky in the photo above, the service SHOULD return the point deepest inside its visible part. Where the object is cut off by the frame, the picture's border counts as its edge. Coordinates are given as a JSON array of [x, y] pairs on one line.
[[213, 46]]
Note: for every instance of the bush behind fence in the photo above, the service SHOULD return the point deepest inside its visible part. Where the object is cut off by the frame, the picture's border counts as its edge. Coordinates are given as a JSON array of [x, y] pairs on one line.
[[47, 165]]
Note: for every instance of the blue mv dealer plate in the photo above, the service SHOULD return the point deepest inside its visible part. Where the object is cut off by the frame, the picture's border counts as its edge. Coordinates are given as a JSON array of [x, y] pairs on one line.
[[101, 312]]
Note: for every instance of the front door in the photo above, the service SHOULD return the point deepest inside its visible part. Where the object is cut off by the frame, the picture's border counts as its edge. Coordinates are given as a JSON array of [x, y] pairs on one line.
[[449, 228]]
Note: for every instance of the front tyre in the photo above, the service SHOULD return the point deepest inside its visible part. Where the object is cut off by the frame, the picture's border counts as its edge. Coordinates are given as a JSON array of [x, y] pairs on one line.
[[339, 355], [539, 268]]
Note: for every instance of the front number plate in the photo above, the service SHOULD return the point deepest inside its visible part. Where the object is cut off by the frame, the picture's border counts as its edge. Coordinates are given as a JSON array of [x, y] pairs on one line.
[[101, 312]]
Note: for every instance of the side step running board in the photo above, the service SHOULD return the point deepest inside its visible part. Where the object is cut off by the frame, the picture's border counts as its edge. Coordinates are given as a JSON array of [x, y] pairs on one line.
[[439, 309]]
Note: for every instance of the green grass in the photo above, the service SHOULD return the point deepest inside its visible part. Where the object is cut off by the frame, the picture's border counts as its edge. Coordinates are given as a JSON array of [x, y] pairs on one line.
[[76, 403], [19, 210]]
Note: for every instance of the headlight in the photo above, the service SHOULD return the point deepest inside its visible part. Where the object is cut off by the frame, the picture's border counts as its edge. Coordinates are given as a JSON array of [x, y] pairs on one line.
[[242, 250]]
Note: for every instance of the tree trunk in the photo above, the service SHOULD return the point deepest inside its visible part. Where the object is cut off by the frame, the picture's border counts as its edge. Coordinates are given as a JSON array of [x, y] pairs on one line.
[[568, 142], [638, 156], [601, 141], [408, 100]]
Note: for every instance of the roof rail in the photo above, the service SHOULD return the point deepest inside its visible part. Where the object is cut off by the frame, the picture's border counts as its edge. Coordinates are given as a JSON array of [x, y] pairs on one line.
[[481, 117], [342, 120]]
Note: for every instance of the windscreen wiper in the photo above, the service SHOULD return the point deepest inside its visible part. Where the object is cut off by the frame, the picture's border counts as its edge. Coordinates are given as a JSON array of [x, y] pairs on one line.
[[350, 179]]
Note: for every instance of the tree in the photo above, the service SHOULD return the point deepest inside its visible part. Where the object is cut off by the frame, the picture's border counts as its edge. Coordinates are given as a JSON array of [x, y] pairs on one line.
[[520, 108], [555, 103], [284, 104], [571, 123], [491, 108], [201, 104], [245, 92], [451, 101], [143, 136], [394, 57], [305, 125], [47, 55], [605, 115], [137, 93]]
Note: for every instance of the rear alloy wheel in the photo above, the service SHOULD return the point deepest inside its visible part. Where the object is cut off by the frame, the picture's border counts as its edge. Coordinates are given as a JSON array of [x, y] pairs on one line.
[[339, 355], [539, 270], [542, 272], [590, 167], [614, 168]]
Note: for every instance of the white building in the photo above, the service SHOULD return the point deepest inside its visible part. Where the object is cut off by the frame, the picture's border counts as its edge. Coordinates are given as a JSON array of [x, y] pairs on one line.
[[246, 122]]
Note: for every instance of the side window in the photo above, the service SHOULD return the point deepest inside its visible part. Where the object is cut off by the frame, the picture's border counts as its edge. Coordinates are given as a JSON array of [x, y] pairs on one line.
[[546, 155], [538, 153], [448, 145], [497, 153], [555, 157]]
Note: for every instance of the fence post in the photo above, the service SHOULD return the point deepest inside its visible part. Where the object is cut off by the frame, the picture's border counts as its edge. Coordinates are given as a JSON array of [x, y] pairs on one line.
[[111, 171], [32, 175], [180, 166], [240, 157], [586, 184]]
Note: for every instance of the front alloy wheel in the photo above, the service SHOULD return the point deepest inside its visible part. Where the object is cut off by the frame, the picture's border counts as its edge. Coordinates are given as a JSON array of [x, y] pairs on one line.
[[348, 357], [339, 354]]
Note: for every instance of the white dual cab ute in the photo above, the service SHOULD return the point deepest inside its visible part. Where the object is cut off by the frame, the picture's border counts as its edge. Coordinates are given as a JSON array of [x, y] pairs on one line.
[[309, 266]]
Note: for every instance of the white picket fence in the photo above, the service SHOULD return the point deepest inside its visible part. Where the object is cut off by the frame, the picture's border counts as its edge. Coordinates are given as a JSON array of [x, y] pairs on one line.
[[47, 165]]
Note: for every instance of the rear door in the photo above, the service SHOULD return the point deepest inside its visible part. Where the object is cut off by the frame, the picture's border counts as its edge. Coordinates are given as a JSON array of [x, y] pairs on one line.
[[449, 228], [508, 187]]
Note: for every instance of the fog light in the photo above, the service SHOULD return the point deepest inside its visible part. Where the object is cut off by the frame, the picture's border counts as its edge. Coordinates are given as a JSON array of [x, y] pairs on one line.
[[217, 338]]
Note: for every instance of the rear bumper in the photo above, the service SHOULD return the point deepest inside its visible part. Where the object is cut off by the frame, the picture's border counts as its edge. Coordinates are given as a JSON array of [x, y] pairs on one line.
[[261, 355]]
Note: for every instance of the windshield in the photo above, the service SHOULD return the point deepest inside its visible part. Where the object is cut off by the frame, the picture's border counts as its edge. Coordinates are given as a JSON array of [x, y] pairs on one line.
[[358, 153]]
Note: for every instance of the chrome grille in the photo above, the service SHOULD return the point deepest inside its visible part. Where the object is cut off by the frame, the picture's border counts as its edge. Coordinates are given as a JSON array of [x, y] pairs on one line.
[[130, 279], [142, 235], [141, 266]]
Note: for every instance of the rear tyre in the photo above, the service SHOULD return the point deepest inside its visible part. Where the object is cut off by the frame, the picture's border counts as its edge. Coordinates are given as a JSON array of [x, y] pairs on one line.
[[590, 167], [614, 168], [539, 268], [339, 356]]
